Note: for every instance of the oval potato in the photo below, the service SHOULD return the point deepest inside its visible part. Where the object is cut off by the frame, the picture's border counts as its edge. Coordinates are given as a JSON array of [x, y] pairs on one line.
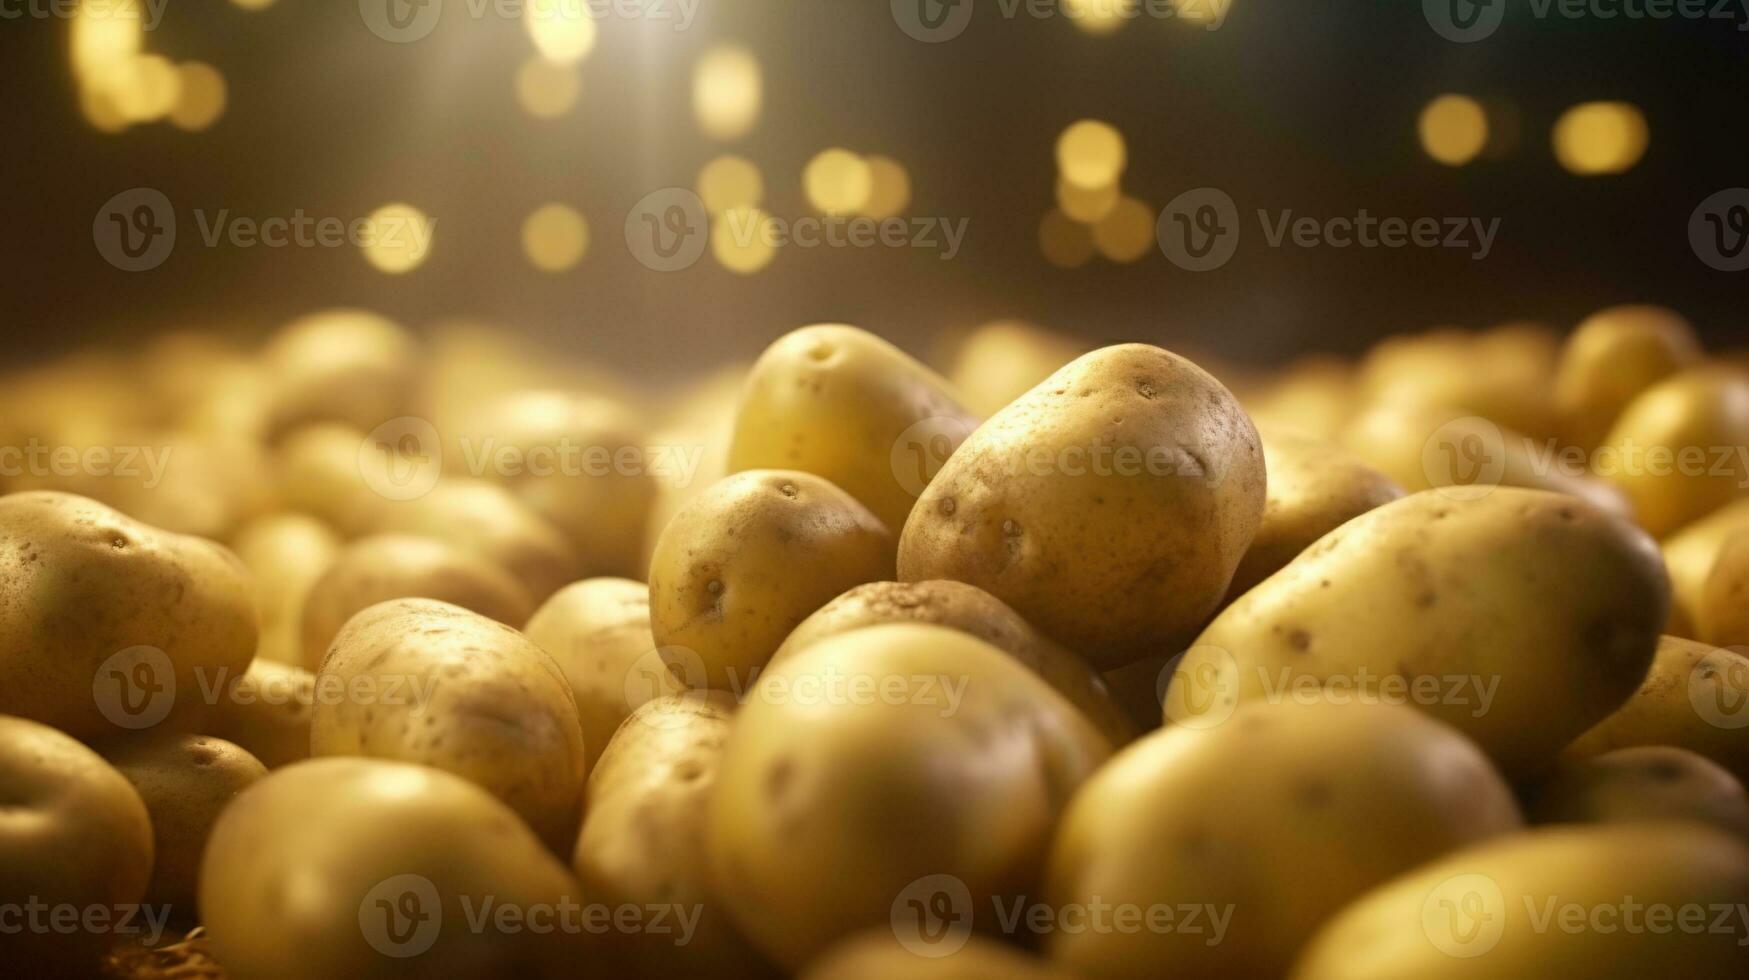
[[1651, 783], [1611, 357], [1677, 450], [286, 552], [484, 519], [267, 712], [1695, 697]]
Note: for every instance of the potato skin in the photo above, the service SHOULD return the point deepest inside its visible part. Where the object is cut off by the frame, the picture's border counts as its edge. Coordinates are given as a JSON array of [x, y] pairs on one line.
[[1114, 561], [838, 402], [926, 784], [1690, 554], [484, 519], [643, 839], [1695, 697], [1611, 357], [1407, 928], [267, 712], [1314, 488], [395, 566], [1655, 782], [1705, 409], [1479, 591], [286, 552], [80, 583], [76, 833], [185, 781], [970, 610], [598, 630], [1195, 815], [1723, 615], [877, 955], [496, 709], [342, 365], [299, 863], [743, 564]]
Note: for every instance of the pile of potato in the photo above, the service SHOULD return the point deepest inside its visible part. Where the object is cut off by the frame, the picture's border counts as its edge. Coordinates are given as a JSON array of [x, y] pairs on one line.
[[379, 655]]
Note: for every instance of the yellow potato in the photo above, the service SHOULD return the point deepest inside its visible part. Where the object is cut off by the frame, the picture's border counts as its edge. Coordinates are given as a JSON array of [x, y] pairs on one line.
[[432, 683], [1592, 903], [286, 553], [877, 955], [1695, 697], [599, 632], [937, 754], [267, 712], [643, 840], [1655, 782], [1266, 823], [336, 869], [1503, 374], [1689, 555], [341, 365], [847, 406], [322, 470], [1612, 357], [968, 609], [393, 566], [73, 833], [1314, 488], [108, 625], [1004, 359], [1315, 395], [1109, 506], [743, 564], [1723, 614], [1678, 450], [487, 520], [1521, 618], [185, 782]]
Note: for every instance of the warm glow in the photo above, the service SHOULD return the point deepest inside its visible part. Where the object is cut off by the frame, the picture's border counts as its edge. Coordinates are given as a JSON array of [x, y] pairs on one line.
[[105, 37], [1091, 154], [1065, 242], [253, 4], [889, 190], [837, 181], [562, 30], [201, 98], [726, 92], [555, 237], [1086, 205], [1454, 129], [1127, 233], [1099, 16], [398, 238], [546, 89], [145, 88], [1600, 138], [730, 182], [741, 240]]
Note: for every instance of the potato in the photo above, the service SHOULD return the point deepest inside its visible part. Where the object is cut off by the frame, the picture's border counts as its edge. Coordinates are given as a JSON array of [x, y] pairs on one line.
[[1314, 395], [267, 712], [847, 406], [1004, 359], [342, 365], [1689, 555], [971, 610], [1655, 782], [1314, 488], [361, 868], [643, 841], [435, 684], [1268, 822], [487, 520], [598, 631], [185, 782], [743, 564], [396, 566], [286, 553], [1612, 357], [1424, 448], [73, 833], [1109, 506], [1695, 697], [107, 625], [1723, 614], [877, 955], [937, 754], [1521, 618], [1503, 374], [1575, 903], [1677, 450], [322, 470]]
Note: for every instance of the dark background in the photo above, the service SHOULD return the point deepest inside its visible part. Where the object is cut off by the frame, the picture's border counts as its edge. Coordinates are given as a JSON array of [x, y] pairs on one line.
[[1300, 104]]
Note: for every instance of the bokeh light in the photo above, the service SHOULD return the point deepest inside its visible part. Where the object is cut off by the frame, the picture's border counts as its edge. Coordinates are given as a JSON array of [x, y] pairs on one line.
[[144, 88], [1087, 205], [1099, 16], [253, 4], [399, 238], [562, 30], [1600, 138], [741, 240], [727, 92], [547, 89], [889, 188], [1065, 242], [200, 100], [1127, 233], [837, 181], [1091, 154], [555, 237], [728, 182], [1453, 129]]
